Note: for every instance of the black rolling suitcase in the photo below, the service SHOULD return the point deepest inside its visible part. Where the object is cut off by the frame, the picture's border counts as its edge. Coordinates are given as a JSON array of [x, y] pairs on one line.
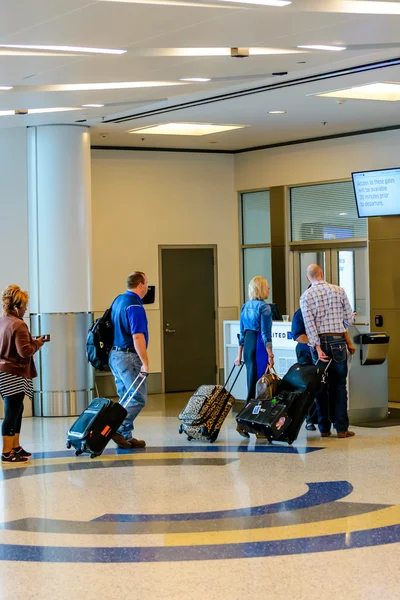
[[306, 381], [95, 427], [281, 418]]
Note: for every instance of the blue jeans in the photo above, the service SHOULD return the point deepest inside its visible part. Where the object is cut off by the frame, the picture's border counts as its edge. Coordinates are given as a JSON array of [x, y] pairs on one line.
[[332, 401], [125, 367]]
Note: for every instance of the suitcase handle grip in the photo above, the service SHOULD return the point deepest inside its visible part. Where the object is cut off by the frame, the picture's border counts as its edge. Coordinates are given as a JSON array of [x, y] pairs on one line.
[[230, 375], [142, 376]]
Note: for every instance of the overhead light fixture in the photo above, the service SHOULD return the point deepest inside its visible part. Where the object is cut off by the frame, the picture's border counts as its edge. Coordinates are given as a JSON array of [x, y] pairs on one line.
[[72, 49], [388, 92], [5, 88], [342, 214], [370, 7], [117, 85], [39, 111], [235, 51], [92, 105], [185, 129], [195, 79], [277, 112], [36, 111], [212, 3], [321, 47]]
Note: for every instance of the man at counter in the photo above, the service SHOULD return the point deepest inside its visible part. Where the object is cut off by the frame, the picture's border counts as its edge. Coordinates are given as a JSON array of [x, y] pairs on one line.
[[327, 313]]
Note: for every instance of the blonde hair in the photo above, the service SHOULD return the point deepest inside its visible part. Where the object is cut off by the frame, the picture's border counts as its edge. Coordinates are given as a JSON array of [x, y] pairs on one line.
[[13, 298], [258, 288]]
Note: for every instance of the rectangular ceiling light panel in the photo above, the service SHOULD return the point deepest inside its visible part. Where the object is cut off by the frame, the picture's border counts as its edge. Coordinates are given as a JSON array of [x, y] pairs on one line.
[[276, 3], [186, 129], [389, 92], [370, 8], [116, 85], [72, 49]]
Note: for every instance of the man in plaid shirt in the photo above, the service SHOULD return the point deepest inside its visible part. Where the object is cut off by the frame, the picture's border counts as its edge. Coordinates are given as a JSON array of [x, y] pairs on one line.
[[327, 314]]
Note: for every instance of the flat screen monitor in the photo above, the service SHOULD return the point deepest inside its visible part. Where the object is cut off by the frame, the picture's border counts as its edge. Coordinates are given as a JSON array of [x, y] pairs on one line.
[[149, 298], [377, 192]]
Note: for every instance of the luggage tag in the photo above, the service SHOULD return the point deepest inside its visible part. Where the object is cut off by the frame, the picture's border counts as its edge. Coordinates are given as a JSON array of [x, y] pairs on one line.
[[256, 409]]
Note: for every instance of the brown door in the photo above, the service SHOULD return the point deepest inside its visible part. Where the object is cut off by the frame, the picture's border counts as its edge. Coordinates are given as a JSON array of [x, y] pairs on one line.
[[189, 315]]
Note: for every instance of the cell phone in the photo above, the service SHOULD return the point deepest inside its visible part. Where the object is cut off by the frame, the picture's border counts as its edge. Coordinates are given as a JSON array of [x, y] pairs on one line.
[[46, 337]]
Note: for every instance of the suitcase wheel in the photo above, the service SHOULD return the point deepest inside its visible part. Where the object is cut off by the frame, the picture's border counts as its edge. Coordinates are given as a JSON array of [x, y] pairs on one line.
[[93, 455], [78, 452], [213, 437], [189, 438], [68, 444], [180, 429]]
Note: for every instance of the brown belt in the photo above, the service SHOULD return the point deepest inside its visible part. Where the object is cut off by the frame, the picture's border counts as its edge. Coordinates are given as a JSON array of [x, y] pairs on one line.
[[331, 335]]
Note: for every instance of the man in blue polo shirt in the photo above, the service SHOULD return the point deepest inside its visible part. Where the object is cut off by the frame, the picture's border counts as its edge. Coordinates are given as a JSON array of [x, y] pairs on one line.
[[304, 357], [128, 356]]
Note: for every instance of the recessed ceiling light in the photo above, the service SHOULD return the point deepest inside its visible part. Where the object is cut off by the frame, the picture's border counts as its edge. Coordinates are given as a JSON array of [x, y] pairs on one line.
[[186, 129], [92, 105], [277, 112], [73, 49], [321, 47], [388, 92], [370, 7], [5, 88], [117, 85], [195, 79], [342, 214]]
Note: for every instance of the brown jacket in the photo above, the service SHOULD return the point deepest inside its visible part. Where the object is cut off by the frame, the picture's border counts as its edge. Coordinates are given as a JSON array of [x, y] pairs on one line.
[[17, 347]]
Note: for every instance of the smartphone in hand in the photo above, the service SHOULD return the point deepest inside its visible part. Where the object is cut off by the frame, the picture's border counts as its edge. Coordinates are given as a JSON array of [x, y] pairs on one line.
[[46, 337]]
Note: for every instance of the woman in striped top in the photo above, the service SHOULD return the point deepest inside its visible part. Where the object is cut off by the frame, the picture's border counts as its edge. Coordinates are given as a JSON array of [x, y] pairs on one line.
[[17, 369]]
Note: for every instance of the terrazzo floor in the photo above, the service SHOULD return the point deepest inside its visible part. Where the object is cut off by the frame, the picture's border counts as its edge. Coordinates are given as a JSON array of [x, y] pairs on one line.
[[230, 520]]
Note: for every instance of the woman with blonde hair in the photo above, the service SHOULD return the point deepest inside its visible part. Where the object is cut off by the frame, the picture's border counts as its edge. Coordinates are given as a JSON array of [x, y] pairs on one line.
[[255, 336], [17, 369]]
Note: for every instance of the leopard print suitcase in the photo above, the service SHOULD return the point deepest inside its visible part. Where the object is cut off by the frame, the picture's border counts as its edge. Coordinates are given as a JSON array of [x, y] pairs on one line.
[[206, 411]]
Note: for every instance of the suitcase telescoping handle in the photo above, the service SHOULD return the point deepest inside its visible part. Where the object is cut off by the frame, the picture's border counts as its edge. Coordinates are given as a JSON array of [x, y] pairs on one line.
[[230, 375], [142, 376]]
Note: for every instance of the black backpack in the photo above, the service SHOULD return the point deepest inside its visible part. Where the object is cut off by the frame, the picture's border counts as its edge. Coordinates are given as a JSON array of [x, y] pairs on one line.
[[99, 341]]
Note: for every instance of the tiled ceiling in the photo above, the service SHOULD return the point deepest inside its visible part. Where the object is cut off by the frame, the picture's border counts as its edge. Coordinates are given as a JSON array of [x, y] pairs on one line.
[[146, 31]]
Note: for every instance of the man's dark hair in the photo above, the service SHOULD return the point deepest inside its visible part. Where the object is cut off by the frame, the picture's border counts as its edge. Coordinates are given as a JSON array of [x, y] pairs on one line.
[[133, 280]]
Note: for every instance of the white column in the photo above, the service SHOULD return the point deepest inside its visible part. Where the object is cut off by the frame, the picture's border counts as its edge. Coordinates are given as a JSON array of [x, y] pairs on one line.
[[59, 204]]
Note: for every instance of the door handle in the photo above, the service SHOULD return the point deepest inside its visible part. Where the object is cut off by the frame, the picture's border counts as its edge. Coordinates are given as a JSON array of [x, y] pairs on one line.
[[167, 330]]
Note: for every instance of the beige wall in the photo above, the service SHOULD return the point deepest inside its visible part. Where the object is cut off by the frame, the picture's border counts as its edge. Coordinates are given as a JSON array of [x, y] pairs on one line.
[[336, 159], [316, 161], [141, 200], [14, 208]]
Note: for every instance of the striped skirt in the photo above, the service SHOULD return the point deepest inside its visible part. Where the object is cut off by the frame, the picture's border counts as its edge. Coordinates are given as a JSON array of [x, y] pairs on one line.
[[13, 384]]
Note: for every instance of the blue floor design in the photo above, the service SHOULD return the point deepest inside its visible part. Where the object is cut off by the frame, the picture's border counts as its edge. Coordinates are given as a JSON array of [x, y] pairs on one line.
[[326, 543], [270, 449], [317, 494]]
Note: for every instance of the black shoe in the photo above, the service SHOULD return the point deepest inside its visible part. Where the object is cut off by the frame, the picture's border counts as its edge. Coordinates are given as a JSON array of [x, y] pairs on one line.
[[311, 427], [242, 432], [21, 452], [13, 458]]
